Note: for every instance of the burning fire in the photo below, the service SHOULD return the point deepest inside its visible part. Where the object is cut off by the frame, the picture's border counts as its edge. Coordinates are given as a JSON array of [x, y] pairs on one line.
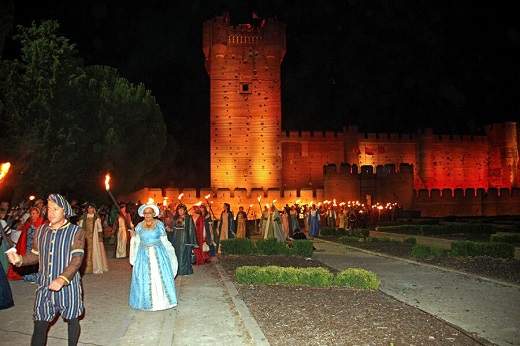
[[207, 196], [180, 196], [107, 179], [4, 169]]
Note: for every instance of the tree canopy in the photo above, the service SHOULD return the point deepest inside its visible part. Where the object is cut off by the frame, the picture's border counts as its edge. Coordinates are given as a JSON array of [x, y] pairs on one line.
[[65, 125]]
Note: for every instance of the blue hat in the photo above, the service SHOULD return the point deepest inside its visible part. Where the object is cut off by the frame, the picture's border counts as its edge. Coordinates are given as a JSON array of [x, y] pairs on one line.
[[62, 203]]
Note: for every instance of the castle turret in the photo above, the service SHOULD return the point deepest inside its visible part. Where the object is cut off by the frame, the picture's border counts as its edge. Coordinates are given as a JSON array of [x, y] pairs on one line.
[[243, 64], [504, 168]]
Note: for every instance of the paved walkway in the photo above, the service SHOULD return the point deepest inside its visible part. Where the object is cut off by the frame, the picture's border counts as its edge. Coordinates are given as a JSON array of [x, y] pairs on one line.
[[486, 307], [211, 312]]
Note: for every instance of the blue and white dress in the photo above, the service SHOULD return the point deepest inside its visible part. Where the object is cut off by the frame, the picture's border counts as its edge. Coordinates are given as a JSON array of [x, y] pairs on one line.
[[155, 267]]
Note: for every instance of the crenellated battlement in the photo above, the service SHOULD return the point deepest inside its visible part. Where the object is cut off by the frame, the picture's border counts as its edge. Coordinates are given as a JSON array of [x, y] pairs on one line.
[[312, 135]]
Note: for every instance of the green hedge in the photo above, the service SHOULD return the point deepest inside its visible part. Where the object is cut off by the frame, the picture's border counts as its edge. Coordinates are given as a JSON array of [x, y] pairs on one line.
[[340, 232], [271, 247], [410, 240], [492, 249], [447, 228], [357, 278], [346, 240], [423, 251], [271, 275], [238, 246], [317, 277], [505, 237]]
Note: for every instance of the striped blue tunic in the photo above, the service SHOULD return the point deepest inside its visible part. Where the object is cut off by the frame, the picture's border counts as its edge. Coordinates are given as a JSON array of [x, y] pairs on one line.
[[55, 249]]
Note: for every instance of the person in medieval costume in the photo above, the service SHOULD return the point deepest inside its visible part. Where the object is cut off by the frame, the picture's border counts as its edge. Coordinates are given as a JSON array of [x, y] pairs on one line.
[[331, 216], [226, 226], [154, 264], [314, 221], [201, 255], [6, 295], [241, 223], [24, 245], [210, 229], [95, 259], [58, 248], [273, 225], [293, 217], [263, 220], [120, 231], [184, 239]]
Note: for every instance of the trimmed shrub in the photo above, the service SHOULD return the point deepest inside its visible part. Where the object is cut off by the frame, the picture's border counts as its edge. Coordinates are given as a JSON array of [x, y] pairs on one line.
[[492, 249], [436, 252], [237, 246], [420, 251], [386, 240], [271, 247], [345, 240], [301, 247], [504, 237], [341, 232], [271, 275], [357, 278], [423, 251], [328, 232], [410, 240]]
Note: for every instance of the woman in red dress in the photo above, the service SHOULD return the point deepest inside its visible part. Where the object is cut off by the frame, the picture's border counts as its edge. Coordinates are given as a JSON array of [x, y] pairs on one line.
[[200, 223], [24, 246]]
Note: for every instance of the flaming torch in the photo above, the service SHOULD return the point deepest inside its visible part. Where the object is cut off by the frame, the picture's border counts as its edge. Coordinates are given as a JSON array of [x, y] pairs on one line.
[[198, 204], [107, 186], [259, 204], [209, 206], [4, 168]]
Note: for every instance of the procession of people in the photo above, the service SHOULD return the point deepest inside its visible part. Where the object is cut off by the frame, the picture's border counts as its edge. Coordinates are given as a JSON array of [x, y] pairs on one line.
[[54, 244]]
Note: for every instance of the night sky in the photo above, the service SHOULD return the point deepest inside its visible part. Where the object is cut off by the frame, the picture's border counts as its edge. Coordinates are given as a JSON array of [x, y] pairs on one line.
[[387, 66]]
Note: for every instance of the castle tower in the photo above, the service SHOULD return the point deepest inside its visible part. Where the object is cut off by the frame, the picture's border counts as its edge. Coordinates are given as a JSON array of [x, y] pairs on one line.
[[504, 166], [243, 64]]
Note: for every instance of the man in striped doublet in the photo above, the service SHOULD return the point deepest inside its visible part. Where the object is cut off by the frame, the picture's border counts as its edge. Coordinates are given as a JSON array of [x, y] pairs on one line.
[[58, 247]]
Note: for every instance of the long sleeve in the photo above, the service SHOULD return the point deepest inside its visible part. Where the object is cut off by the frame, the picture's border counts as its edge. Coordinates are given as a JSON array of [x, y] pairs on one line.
[[78, 246]]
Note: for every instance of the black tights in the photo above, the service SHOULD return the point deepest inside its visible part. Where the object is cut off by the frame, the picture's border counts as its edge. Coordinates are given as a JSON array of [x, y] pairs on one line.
[[39, 337]]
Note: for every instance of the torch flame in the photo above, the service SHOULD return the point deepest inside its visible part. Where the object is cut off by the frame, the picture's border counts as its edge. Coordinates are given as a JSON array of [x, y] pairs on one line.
[[259, 198], [250, 206], [31, 198], [150, 201], [107, 179], [4, 169], [207, 196], [274, 201], [180, 196], [198, 204]]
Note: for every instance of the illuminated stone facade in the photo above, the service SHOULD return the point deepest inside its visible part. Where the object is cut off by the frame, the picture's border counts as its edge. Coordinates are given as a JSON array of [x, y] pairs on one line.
[[251, 157], [243, 64]]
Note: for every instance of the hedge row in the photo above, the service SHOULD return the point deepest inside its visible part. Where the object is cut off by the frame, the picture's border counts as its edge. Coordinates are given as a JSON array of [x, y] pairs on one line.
[[244, 246], [447, 228], [317, 277]]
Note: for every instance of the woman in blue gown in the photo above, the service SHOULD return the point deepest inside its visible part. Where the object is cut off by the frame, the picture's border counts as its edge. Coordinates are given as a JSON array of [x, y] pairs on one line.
[[6, 297], [155, 264]]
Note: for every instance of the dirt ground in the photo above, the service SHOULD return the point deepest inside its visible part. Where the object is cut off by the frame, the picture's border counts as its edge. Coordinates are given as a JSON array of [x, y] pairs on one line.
[[343, 316]]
